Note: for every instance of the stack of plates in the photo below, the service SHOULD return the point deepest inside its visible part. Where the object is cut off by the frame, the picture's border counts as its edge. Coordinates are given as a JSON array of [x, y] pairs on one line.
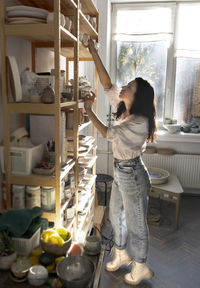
[[26, 15]]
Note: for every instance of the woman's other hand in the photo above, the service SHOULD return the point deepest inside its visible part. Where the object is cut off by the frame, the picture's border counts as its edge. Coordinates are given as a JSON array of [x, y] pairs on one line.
[[89, 100]]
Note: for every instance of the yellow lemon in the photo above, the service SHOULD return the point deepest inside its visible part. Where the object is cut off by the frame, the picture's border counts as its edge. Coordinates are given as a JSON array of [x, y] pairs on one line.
[[63, 233], [34, 260], [37, 252], [53, 239], [58, 259], [51, 267]]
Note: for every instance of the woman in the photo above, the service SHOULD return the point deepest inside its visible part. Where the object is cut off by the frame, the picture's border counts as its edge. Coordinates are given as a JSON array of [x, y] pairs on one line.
[[135, 115]]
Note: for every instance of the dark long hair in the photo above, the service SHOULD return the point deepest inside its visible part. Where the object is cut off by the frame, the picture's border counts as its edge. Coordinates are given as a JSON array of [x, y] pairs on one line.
[[143, 104]]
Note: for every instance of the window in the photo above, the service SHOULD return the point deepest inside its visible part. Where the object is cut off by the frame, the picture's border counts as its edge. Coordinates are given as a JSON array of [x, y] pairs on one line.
[[187, 85], [159, 43]]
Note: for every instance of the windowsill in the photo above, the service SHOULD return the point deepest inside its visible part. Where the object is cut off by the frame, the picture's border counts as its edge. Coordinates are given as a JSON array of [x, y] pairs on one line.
[[164, 135]]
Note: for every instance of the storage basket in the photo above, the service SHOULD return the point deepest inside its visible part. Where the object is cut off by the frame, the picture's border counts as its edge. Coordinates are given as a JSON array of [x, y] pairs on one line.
[[24, 246], [23, 160]]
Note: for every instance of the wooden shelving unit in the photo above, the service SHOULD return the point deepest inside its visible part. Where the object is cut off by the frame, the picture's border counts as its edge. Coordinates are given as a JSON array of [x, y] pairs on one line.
[[62, 42]]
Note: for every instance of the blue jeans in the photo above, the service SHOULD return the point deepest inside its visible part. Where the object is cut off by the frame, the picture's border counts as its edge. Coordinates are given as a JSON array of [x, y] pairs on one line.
[[128, 207]]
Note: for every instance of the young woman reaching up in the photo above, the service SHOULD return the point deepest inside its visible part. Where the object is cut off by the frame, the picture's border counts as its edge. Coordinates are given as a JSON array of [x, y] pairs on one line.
[[135, 126]]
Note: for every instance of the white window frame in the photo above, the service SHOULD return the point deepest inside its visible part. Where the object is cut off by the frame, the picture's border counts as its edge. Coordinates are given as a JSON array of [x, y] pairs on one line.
[[171, 57]]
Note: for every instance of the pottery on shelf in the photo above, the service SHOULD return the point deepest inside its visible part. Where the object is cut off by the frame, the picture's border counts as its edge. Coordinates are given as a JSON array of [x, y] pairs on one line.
[[48, 95], [172, 128]]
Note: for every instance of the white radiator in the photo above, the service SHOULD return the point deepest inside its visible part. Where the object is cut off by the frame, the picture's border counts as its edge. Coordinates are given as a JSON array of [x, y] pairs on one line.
[[185, 166]]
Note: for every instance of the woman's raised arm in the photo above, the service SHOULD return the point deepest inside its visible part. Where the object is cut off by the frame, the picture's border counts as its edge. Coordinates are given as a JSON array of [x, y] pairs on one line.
[[102, 72]]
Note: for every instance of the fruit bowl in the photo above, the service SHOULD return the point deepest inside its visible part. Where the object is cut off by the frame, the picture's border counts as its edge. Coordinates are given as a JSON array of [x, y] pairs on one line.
[[55, 249]]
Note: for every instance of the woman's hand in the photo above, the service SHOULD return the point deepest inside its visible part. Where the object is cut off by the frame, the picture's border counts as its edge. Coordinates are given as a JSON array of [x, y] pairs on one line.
[[91, 46], [89, 100]]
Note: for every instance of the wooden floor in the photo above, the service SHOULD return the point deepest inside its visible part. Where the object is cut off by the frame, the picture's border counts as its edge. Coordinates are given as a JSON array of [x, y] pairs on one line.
[[173, 256]]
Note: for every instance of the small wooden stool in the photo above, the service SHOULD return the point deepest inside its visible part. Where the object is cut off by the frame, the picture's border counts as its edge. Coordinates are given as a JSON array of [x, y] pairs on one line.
[[170, 191]]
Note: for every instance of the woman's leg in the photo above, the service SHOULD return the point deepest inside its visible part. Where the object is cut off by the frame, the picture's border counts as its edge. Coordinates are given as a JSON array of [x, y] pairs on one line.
[[134, 185], [117, 215]]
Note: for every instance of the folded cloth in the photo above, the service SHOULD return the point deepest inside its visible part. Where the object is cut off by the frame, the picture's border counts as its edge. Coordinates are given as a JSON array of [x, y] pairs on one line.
[[22, 222]]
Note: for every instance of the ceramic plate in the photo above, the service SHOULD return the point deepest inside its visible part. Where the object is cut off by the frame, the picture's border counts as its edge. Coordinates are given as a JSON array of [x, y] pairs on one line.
[[26, 22], [14, 77], [11, 19], [23, 13], [26, 8], [158, 175]]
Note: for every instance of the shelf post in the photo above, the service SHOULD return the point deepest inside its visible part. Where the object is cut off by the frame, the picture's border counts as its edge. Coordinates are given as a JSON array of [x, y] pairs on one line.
[[76, 110], [57, 50], [6, 114]]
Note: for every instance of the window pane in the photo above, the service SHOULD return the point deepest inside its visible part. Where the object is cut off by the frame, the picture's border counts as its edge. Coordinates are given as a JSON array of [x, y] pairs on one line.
[[188, 27], [187, 91], [143, 19], [147, 60]]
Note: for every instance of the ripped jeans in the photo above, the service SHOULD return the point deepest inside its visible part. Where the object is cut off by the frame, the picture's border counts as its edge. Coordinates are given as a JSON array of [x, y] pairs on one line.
[[128, 207]]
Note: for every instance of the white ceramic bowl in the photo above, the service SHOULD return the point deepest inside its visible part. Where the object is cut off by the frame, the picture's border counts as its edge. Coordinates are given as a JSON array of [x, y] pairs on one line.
[[158, 175], [37, 275], [172, 128], [6, 261]]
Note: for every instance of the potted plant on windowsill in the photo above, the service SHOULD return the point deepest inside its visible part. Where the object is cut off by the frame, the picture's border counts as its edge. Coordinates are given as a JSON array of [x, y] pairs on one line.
[[7, 251]]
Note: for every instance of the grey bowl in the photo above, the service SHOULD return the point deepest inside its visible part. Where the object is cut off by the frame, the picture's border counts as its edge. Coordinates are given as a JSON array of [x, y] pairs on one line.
[[75, 271], [92, 245]]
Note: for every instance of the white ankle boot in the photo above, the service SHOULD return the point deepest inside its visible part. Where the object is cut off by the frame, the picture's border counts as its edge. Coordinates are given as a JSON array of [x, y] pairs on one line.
[[139, 272], [120, 258]]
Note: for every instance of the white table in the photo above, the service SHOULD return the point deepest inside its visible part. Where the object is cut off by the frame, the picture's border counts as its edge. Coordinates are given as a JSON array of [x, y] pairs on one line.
[[170, 191]]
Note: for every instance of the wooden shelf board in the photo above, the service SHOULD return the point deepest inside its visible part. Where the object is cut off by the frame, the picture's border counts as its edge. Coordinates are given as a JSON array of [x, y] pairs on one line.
[[83, 233], [64, 206], [38, 32], [66, 170], [87, 185], [33, 180], [88, 7], [51, 216], [98, 214], [84, 217], [70, 132], [86, 27], [67, 104], [32, 108], [89, 164], [84, 54], [66, 35], [48, 5], [67, 50], [83, 126], [69, 224]]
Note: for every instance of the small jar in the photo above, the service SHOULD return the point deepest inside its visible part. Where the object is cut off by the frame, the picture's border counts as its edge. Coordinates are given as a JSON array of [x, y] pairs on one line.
[[18, 196], [48, 198], [33, 196], [70, 119]]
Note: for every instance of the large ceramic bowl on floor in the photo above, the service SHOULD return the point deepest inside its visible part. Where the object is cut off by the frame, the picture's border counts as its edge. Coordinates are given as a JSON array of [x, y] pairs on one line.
[[75, 271], [158, 175]]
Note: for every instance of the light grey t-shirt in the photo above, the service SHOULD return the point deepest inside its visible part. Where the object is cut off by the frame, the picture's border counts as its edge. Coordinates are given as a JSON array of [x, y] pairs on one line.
[[128, 136]]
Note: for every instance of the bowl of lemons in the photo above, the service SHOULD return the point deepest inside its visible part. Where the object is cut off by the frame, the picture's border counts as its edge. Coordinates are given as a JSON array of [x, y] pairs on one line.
[[56, 241]]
